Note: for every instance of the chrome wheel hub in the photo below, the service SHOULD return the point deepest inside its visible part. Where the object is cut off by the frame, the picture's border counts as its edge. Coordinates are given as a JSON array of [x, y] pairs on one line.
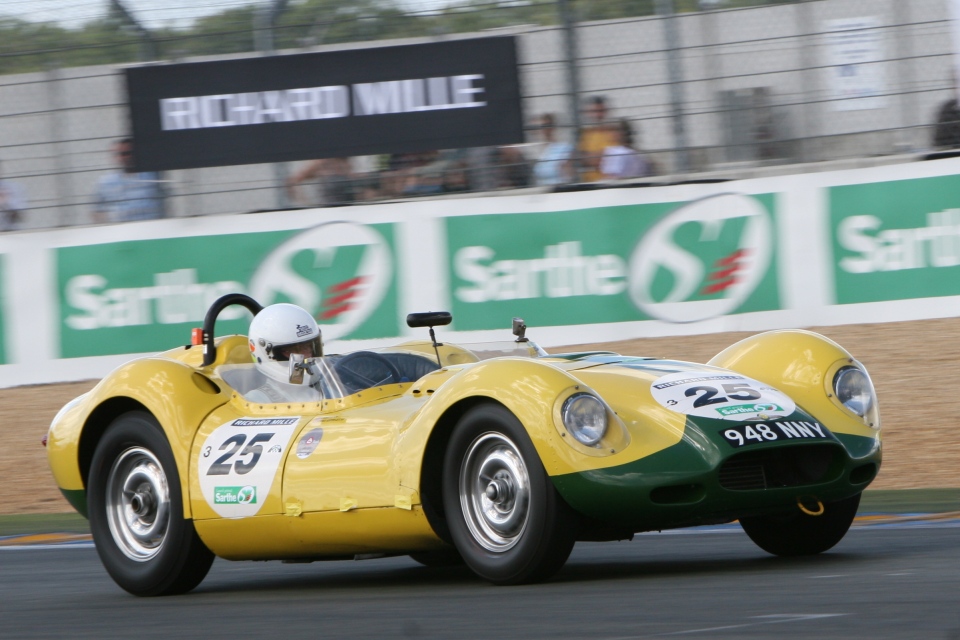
[[494, 492], [138, 504]]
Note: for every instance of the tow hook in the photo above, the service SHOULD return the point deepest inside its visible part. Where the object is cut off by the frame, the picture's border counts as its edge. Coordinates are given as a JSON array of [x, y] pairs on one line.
[[815, 511]]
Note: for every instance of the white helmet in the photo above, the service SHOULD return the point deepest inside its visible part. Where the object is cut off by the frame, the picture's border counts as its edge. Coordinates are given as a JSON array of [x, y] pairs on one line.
[[279, 330]]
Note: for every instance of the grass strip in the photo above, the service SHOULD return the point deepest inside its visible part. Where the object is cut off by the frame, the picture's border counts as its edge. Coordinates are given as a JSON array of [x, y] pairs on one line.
[[30, 523], [910, 501]]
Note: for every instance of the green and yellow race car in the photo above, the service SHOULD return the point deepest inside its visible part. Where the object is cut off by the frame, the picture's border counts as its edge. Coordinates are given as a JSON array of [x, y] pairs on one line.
[[495, 455]]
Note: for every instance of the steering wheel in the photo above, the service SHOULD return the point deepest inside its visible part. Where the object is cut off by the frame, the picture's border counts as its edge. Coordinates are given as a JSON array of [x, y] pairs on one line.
[[365, 369]]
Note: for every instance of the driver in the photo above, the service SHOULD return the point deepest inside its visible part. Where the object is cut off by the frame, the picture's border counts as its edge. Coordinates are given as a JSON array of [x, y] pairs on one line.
[[276, 333]]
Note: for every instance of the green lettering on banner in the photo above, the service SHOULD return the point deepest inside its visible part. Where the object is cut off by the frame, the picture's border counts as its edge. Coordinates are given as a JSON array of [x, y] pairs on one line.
[[146, 295], [896, 240], [678, 262]]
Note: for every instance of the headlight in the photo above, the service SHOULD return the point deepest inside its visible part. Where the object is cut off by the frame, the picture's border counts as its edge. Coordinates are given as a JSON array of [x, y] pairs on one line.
[[854, 390], [585, 418]]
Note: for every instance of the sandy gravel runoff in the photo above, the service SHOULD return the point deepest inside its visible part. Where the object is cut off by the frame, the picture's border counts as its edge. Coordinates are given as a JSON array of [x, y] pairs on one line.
[[914, 366]]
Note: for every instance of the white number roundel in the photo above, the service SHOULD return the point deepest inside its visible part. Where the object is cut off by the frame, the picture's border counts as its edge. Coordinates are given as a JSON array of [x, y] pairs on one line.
[[720, 395], [239, 461]]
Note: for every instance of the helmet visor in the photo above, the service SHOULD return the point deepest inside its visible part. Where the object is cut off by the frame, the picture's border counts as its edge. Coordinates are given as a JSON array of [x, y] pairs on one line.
[[308, 349]]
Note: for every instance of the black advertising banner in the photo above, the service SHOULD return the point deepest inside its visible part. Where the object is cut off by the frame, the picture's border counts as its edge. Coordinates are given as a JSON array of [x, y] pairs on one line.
[[410, 98]]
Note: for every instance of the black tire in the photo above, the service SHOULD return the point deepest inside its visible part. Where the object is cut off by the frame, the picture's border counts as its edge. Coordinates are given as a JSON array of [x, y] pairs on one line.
[[136, 511], [518, 529], [448, 557], [800, 534]]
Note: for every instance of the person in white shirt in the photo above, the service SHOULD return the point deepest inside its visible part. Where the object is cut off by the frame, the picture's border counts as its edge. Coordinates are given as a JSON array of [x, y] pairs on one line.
[[621, 160], [554, 164], [127, 194]]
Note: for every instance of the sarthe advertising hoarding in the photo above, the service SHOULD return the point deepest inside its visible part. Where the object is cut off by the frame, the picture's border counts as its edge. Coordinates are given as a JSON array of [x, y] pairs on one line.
[[396, 99], [812, 250]]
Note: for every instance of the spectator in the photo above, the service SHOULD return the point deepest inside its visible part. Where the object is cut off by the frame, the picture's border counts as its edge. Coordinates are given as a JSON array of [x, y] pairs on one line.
[[622, 160], [553, 164], [513, 170], [12, 204], [946, 134], [126, 194], [334, 178], [598, 134]]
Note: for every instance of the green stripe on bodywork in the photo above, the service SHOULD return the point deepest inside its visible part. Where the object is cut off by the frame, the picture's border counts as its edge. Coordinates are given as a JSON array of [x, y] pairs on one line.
[[77, 499], [621, 495]]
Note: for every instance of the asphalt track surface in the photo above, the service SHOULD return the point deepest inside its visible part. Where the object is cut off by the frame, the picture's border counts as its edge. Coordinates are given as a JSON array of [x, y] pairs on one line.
[[881, 581]]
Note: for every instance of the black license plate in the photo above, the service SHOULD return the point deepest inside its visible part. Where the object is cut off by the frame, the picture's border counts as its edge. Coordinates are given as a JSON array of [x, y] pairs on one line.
[[747, 434]]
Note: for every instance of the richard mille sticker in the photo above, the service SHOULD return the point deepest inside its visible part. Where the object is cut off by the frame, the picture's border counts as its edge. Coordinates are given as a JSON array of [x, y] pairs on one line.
[[720, 395], [239, 461]]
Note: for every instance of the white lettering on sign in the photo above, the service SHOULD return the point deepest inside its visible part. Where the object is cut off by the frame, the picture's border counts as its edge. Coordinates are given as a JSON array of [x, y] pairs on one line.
[[935, 245], [175, 297], [563, 272], [419, 94], [235, 109], [318, 103]]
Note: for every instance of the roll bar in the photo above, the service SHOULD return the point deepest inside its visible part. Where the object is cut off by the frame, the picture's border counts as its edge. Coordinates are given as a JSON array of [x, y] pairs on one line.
[[210, 320]]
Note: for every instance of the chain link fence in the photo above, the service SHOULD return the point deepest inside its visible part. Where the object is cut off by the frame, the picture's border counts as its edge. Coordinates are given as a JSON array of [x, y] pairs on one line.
[[715, 87]]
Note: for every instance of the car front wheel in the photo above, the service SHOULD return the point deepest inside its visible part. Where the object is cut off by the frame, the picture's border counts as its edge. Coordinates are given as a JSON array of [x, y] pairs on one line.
[[136, 511], [506, 518], [802, 534]]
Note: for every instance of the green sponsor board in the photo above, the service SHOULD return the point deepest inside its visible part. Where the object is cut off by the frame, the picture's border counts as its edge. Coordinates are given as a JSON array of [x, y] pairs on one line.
[[896, 240], [678, 262], [146, 295]]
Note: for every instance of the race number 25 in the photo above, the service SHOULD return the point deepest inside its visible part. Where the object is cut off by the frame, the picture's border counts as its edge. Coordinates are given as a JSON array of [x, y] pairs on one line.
[[711, 395], [242, 464]]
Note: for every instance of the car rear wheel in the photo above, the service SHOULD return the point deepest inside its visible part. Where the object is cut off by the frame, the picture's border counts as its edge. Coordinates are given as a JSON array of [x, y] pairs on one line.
[[136, 511], [802, 534], [506, 519]]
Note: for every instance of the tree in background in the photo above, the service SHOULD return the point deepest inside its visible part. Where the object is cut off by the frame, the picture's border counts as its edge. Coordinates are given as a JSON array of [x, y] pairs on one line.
[[29, 46]]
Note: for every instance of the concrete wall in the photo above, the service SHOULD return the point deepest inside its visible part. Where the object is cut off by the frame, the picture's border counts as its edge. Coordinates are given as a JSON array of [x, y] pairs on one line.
[[57, 126]]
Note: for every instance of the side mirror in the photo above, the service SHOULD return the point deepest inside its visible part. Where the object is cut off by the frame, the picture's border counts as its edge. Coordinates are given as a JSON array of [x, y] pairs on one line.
[[295, 368], [429, 319]]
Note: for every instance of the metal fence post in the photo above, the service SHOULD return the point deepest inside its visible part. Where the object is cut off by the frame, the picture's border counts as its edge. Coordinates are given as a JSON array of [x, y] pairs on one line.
[[148, 46], [567, 20], [809, 142], [671, 36], [66, 211], [907, 138], [265, 18]]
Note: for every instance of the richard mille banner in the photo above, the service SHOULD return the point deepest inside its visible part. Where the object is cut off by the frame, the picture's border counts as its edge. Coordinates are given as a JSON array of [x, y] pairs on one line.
[[420, 97]]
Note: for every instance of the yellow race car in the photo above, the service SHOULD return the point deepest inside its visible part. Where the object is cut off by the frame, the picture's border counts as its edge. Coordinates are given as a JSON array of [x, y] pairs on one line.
[[497, 455]]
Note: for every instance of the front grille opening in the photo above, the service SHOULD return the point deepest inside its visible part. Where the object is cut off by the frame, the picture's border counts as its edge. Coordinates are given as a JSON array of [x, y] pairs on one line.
[[863, 473], [778, 468], [678, 494]]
